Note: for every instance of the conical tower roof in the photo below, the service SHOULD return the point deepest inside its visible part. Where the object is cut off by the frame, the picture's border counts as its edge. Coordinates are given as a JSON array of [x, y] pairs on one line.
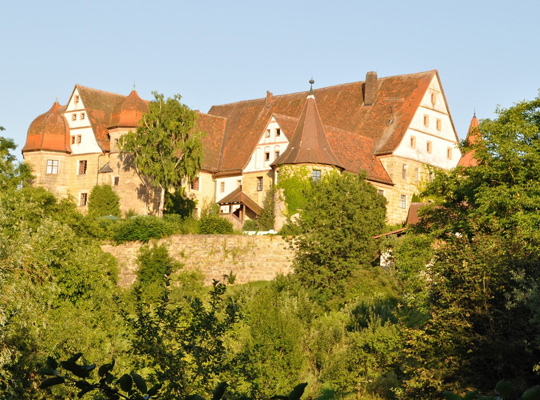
[[473, 137], [309, 143], [49, 131], [129, 111]]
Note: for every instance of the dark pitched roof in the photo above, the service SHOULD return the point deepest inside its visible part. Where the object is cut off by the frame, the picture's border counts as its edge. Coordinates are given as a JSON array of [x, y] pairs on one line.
[[412, 216], [49, 131], [473, 137], [213, 128], [239, 197], [341, 106], [105, 169], [99, 106], [309, 143]]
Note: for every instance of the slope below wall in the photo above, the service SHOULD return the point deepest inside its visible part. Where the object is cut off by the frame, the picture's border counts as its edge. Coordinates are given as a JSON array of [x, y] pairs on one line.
[[250, 258]]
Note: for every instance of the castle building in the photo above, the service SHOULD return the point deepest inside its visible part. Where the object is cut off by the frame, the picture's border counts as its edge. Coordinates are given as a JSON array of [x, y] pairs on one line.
[[395, 129]]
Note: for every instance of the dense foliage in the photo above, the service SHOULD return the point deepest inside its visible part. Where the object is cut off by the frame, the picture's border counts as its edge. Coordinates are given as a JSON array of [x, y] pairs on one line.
[[103, 202], [166, 149]]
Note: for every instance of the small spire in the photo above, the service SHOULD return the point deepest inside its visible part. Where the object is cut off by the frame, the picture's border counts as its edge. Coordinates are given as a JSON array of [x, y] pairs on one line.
[[311, 82], [133, 85], [57, 99], [474, 112]]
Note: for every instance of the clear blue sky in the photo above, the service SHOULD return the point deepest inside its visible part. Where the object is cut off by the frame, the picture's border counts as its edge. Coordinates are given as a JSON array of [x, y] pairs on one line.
[[215, 52]]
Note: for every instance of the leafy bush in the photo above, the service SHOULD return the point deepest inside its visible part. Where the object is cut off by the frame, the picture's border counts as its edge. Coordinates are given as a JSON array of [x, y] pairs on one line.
[[142, 228], [180, 224], [250, 225], [103, 201], [214, 224]]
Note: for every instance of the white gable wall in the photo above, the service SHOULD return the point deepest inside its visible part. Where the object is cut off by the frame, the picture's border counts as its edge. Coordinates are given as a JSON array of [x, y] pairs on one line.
[[269, 142], [431, 123], [79, 125]]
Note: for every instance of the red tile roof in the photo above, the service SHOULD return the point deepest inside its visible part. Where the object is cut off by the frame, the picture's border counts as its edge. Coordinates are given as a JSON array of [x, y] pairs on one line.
[[309, 143], [214, 129], [49, 131], [239, 197], [473, 137], [128, 112], [341, 106]]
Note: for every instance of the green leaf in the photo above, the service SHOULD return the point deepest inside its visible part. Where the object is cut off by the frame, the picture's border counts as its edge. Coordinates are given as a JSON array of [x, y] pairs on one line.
[[451, 396], [504, 388], [139, 382], [531, 393], [126, 383], [47, 371], [219, 391], [52, 363], [106, 368], [51, 382], [154, 390], [298, 391]]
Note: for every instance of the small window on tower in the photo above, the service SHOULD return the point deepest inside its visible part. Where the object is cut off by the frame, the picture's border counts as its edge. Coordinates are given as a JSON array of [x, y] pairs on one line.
[[404, 172], [259, 184], [83, 199], [316, 175], [52, 167], [83, 164], [116, 181], [73, 140], [79, 138]]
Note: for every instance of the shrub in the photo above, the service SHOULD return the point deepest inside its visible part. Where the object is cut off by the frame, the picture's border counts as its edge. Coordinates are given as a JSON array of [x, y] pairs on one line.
[[142, 228], [250, 225], [103, 201], [214, 224]]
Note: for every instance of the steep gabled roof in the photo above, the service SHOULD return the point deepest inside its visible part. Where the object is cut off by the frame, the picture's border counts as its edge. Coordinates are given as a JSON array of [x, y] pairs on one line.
[[239, 197], [214, 130], [309, 143], [341, 106], [49, 131], [473, 137], [99, 106]]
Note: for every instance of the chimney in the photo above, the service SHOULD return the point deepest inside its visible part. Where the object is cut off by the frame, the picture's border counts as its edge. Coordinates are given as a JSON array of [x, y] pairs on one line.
[[269, 99], [370, 88]]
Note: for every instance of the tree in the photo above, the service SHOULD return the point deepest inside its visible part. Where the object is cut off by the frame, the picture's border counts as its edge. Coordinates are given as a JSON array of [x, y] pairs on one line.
[[12, 173], [166, 148], [103, 202], [483, 283], [341, 215]]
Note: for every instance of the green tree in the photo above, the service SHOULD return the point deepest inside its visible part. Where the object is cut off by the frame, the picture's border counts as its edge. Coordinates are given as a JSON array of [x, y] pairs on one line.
[[483, 282], [166, 148], [12, 173], [341, 215], [103, 201]]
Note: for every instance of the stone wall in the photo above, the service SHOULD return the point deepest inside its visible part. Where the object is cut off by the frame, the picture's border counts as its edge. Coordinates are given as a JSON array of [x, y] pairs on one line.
[[249, 258]]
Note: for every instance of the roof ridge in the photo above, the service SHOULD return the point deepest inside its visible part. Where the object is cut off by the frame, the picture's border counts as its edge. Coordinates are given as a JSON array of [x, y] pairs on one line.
[[321, 88], [103, 91]]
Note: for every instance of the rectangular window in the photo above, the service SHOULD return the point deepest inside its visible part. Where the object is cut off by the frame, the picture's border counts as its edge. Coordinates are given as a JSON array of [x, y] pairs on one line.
[[83, 115], [268, 133], [79, 138], [222, 187], [238, 183], [404, 172], [426, 120], [76, 99], [82, 167], [259, 184], [73, 140], [403, 202], [74, 117], [439, 124], [433, 99], [381, 192], [413, 142], [417, 174], [277, 154], [278, 132], [83, 199], [52, 167], [316, 174], [266, 156], [429, 147], [449, 153], [195, 184], [116, 181]]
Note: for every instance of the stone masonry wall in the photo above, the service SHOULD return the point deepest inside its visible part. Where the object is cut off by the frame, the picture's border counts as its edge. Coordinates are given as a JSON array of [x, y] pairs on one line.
[[250, 258]]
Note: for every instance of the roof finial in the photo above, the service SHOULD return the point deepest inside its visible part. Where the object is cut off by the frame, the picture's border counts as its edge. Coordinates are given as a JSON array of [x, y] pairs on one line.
[[474, 112], [311, 82], [57, 99], [134, 85]]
